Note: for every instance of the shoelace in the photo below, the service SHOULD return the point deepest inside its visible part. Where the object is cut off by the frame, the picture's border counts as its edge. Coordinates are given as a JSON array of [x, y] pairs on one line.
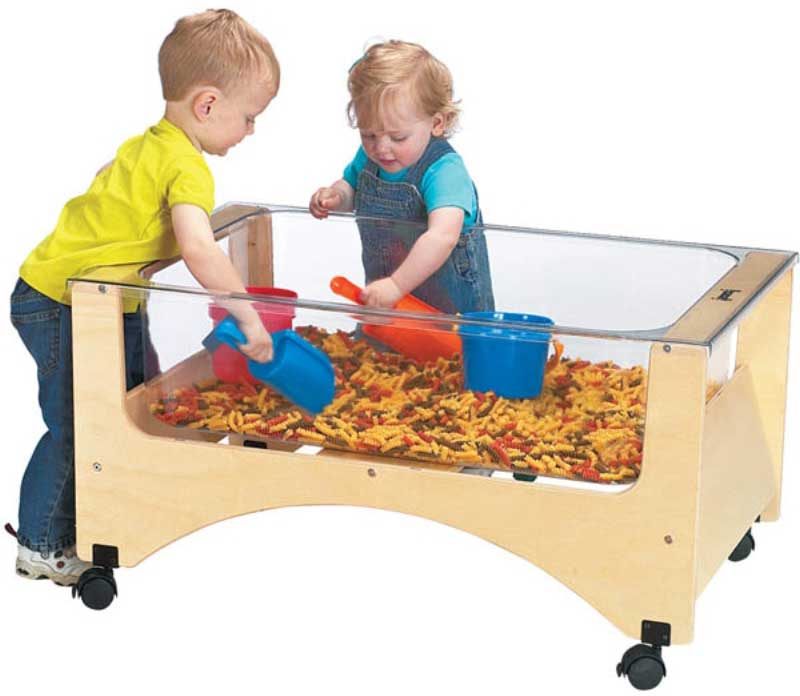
[[10, 530]]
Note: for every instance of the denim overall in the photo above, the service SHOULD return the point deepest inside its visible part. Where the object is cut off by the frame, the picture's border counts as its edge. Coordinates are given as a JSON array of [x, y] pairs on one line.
[[463, 283], [47, 498]]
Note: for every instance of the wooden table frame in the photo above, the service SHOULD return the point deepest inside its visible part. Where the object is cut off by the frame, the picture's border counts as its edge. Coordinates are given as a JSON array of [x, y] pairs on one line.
[[710, 468]]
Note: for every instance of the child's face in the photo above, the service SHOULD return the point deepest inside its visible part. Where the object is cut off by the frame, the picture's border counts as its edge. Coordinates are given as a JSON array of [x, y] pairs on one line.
[[402, 136], [232, 116]]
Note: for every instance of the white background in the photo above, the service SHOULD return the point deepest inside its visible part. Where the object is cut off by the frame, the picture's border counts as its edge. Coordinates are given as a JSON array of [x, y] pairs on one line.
[[667, 120]]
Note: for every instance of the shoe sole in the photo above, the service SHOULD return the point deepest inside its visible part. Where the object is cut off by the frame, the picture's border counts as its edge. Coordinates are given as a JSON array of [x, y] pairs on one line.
[[29, 572]]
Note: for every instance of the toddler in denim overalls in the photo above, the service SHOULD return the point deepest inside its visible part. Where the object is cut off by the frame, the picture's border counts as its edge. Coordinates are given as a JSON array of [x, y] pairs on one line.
[[401, 101]]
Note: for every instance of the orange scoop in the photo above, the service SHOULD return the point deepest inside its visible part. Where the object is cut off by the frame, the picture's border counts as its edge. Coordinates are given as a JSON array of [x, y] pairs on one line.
[[422, 343]]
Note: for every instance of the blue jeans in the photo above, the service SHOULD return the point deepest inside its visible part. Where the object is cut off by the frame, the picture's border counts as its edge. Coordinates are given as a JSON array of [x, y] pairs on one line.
[[47, 495]]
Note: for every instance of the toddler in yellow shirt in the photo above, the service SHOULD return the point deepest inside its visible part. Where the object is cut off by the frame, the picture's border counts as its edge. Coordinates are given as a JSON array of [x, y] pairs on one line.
[[151, 202]]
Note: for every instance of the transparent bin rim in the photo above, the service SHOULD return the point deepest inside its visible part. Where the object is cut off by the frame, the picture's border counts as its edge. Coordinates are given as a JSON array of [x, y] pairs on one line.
[[440, 322], [232, 214]]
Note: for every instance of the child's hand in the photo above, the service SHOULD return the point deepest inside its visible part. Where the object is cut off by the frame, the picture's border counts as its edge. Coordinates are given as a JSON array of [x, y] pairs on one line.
[[259, 342], [382, 293], [324, 200]]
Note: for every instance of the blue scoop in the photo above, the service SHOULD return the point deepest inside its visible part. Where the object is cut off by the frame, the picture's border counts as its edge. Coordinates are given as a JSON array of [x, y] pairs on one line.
[[298, 370]]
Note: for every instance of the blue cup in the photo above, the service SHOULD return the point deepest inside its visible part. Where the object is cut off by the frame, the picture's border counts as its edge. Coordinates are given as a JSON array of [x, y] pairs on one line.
[[509, 362], [298, 370]]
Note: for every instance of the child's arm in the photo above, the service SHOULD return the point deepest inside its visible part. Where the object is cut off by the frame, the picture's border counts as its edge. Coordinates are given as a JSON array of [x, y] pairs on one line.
[[214, 271], [427, 255], [338, 196]]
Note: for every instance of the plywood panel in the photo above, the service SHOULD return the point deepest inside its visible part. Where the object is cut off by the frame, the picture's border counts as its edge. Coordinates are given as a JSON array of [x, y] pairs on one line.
[[717, 307], [611, 549], [763, 346], [737, 478]]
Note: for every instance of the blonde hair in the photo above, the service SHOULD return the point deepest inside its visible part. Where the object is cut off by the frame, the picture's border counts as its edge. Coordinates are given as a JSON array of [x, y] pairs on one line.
[[387, 68], [216, 48]]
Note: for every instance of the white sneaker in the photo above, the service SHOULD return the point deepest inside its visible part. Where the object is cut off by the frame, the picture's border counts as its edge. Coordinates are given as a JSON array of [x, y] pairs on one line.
[[62, 567]]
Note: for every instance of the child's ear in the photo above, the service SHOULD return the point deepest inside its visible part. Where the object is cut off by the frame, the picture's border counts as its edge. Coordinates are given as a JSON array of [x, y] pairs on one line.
[[439, 125], [204, 103]]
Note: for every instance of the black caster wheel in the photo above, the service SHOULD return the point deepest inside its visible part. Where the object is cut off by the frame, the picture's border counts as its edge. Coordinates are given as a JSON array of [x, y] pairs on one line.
[[643, 666], [524, 477], [96, 588], [743, 548]]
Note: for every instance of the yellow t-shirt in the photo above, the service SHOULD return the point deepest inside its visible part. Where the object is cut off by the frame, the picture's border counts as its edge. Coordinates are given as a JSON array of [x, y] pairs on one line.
[[124, 217]]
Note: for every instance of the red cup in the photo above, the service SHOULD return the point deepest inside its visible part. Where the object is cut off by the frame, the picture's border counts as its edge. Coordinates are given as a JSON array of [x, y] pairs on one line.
[[230, 365]]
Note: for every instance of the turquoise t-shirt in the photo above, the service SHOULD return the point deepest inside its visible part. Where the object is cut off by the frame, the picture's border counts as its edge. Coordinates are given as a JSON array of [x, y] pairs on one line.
[[446, 183]]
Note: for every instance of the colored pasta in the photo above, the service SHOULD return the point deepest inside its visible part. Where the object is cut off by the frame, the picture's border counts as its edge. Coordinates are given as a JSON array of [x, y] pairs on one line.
[[588, 422]]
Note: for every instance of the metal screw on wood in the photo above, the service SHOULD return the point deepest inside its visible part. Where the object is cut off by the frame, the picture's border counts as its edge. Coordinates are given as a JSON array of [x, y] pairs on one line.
[[97, 466], [668, 539], [101, 288], [371, 473], [667, 348]]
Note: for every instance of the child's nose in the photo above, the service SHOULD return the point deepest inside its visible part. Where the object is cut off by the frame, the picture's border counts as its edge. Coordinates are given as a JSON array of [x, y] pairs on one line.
[[384, 145]]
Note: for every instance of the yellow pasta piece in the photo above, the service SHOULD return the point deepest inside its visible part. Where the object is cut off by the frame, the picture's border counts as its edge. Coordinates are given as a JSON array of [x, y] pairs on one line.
[[310, 435]]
